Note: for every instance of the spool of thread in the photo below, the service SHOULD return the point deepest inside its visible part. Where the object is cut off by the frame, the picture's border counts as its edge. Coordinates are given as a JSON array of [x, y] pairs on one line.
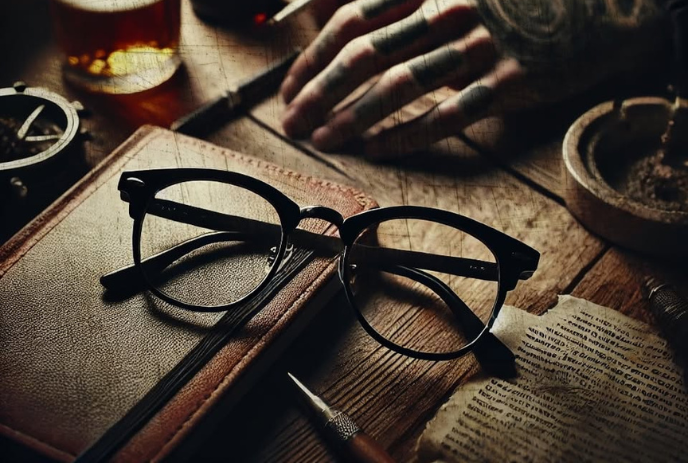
[[670, 310]]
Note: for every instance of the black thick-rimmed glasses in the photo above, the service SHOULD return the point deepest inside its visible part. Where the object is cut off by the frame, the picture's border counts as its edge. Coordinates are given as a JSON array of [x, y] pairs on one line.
[[423, 282]]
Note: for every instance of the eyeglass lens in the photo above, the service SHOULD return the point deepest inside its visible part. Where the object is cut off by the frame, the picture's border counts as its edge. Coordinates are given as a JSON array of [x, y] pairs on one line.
[[219, 242], [427, 300]]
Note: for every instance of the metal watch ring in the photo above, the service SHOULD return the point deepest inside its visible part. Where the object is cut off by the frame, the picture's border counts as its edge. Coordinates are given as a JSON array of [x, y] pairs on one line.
[[70, 131]]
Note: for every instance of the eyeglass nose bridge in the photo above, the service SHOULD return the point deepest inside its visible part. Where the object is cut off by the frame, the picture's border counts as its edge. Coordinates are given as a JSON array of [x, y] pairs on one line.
[[321, 212]]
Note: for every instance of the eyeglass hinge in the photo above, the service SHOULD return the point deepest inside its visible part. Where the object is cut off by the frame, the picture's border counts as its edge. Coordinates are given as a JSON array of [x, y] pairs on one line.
[[128, 188], [526, 263]]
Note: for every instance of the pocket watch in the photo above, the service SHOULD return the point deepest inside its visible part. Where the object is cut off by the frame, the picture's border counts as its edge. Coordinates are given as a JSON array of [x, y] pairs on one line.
[[40, 149], [36, 127]]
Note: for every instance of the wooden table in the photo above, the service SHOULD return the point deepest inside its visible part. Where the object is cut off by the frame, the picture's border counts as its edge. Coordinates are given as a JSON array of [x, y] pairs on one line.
[[505, 174]]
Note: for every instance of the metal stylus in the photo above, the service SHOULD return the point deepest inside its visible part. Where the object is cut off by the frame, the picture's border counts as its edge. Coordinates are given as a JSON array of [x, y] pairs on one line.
[[352, 444]]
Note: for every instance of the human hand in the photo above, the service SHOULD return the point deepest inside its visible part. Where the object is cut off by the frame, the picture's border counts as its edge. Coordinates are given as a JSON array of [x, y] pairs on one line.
[[499, 55]]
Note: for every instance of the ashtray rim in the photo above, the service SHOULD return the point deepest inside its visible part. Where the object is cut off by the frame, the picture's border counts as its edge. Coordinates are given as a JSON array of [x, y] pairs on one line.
[[603, 209]]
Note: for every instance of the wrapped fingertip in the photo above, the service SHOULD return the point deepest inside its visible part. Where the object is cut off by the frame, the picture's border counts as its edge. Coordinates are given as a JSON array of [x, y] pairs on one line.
[[324, 139], [293, 124], [288, 89]]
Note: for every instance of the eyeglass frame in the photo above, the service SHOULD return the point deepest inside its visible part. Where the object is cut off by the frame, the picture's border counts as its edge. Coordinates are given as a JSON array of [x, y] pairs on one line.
[[514, 259]]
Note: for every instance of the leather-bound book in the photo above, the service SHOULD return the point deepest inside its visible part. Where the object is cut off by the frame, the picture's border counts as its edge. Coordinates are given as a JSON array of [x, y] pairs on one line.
[[126, 376]]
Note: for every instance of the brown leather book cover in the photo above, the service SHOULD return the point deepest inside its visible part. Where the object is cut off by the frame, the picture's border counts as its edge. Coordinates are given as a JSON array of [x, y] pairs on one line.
[[80, 374]]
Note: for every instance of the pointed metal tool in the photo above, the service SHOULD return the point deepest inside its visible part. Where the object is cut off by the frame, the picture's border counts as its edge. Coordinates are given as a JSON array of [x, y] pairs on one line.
[[352, 444]]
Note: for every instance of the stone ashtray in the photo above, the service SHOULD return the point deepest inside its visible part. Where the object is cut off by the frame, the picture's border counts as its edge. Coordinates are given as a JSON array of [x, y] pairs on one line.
[[623, 182]]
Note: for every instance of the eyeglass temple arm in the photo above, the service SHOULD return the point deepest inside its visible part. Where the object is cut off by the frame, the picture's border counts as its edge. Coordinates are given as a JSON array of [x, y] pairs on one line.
[[495, 357], [315, 241], [460, 266], [204, 218], [129, 276]]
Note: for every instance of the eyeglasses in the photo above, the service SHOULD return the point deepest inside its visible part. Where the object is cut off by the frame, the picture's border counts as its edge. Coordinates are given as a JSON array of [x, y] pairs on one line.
[[423, 282]]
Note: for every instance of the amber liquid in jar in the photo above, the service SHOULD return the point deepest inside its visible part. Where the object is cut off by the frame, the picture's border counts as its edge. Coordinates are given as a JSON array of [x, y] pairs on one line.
[[118, 46]]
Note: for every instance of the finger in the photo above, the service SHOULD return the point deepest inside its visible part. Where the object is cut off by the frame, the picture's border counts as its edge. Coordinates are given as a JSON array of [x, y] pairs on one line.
[[489, 96], [459, 62], [350, 21], [368, 55]]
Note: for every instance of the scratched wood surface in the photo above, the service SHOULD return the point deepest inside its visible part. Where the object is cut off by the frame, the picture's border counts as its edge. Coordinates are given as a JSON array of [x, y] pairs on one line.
[[497, 172]]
